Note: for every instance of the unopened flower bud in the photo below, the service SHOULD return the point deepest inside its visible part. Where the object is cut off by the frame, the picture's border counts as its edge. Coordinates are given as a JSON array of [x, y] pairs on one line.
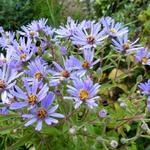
[[85, 129], [114, 143], [103, 113], [99, 139], [123, 105], [144, 126], [72, 130], [123, 140]]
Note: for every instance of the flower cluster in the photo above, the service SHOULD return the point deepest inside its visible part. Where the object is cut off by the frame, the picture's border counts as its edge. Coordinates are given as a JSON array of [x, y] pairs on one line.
[[37, 62]]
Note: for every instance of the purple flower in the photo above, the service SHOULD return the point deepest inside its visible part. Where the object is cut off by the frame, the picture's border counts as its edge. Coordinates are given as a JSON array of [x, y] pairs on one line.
[[62, 73], [68, 30], [6, 39], [87, 62], [145, 87], [123, 44], [32, 30], [37, 69], [31, 97], [143, 56], [43, 113], [49, 31], [111, 28], [7, 81], [23, 50], [38, 25], [83, 91], [89, 37], [103, 113]]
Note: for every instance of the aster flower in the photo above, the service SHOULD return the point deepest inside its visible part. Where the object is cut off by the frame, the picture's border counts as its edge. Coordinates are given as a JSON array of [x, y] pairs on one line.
[[89, 37], [145, 87], [143, 56], [22, 50], [86, 63], [124, 45], [7, 81], [49, 31], [111, 28], [68, 30], [83, 91], [26, 32], [43, 113], [38, 25], [32, 30], [37, 69], [62, 73], [32, 95], [6, 39]]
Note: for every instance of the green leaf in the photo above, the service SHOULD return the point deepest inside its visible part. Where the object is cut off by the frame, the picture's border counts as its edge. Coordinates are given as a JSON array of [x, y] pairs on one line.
[[20, 142]]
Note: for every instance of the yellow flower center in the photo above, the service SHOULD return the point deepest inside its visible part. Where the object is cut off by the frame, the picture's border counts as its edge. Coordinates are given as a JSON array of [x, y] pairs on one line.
[[65, 73], [32, 33], [86, 64], [2, 85], [112, 30], [144, 59], [23, 56], [83, 94], [38, 75], [126, 46], [41, 113], [32, 99], [90, 39]]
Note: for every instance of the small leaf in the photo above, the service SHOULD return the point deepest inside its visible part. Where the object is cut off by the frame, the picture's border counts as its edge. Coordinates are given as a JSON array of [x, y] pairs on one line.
[[115, 73]]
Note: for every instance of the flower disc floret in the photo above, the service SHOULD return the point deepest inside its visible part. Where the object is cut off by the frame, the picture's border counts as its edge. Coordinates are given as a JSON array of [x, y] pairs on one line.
[[83, 94], [32, 99]]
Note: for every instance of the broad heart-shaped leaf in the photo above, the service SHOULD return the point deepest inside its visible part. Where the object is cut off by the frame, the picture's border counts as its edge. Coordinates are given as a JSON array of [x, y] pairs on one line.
[[26, 138]]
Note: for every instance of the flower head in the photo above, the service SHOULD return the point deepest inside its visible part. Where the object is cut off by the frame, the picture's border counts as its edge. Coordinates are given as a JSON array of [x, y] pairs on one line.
[[89, 37], [143, 56], [32, 30], [62, 73], [32, 95], [85, 64], [8, 76], [6, 39], [37, 69], [22, 50], [44, 112], [145, 87], [123, 44], [83, 91], [111, 28], [68, 30]]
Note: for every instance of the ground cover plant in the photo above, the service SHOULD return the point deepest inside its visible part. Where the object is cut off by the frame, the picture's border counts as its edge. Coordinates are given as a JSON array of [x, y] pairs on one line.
[[83, 85]]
